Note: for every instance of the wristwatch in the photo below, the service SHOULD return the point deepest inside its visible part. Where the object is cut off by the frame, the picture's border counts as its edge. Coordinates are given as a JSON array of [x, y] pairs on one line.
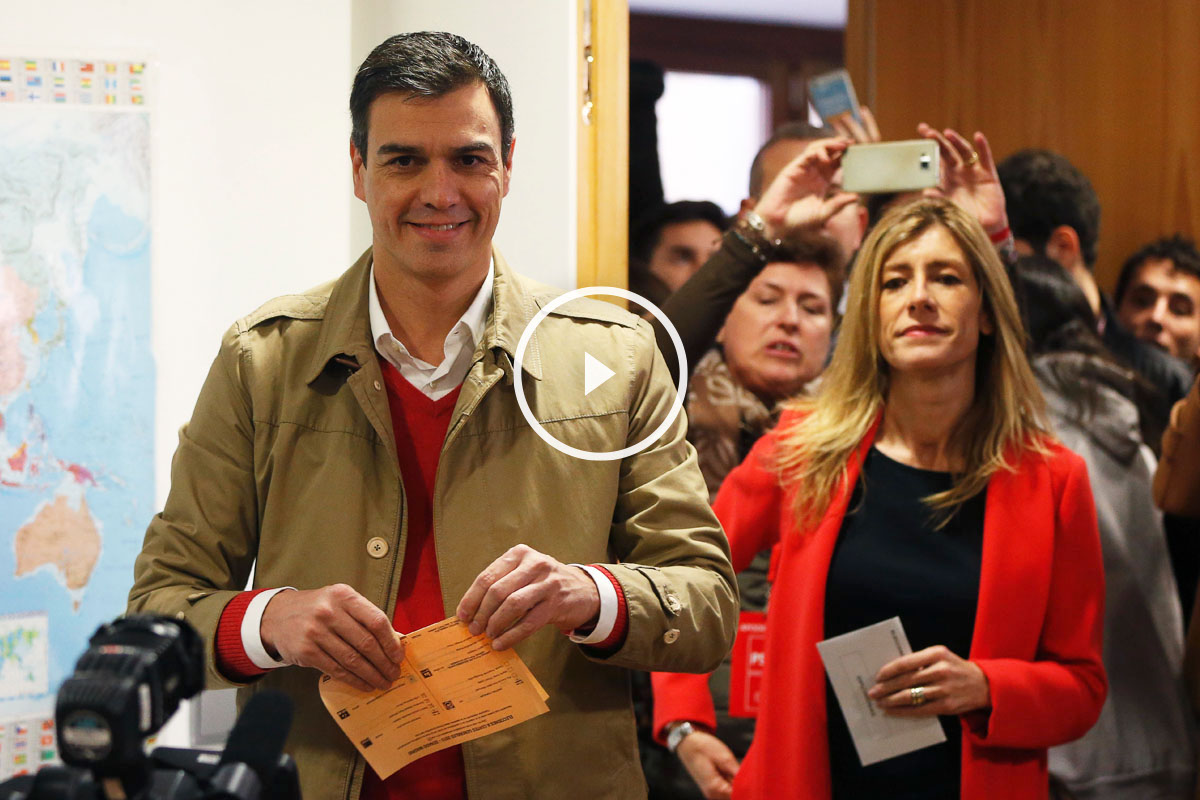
[[677, 733], [752, 230]]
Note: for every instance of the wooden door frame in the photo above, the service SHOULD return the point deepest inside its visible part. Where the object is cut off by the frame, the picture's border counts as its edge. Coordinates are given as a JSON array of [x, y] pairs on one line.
[[603, 143]]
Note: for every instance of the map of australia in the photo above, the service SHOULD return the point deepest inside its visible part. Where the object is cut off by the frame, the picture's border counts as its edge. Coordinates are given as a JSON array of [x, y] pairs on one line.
[[76, 374]]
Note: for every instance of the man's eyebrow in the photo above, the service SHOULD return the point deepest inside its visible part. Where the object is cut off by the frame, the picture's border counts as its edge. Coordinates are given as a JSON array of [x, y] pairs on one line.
[[397, 150], [475, 147]]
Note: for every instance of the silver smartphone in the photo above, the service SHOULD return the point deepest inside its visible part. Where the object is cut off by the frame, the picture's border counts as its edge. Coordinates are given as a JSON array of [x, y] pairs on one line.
[[890, 166]]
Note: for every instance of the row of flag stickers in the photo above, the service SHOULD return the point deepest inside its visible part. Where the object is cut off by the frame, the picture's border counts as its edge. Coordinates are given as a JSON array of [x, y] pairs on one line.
[[26, 746], [72, 81]]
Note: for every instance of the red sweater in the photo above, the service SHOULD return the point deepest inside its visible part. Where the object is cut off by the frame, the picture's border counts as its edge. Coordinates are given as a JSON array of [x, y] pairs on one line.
[[420, 426]]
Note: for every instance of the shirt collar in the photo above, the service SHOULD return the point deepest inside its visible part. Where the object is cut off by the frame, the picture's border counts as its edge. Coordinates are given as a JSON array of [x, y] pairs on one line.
[[473, 320]]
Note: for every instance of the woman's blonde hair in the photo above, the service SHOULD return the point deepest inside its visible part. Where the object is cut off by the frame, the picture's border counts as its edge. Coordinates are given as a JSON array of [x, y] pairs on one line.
[[1008, 408]]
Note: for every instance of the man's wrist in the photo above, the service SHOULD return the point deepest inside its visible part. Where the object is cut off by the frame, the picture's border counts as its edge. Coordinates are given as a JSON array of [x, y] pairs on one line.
[[252, 641], [606, 617]]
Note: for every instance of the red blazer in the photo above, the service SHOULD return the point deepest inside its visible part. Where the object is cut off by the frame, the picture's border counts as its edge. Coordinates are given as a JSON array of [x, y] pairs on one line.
[[1037, 628]]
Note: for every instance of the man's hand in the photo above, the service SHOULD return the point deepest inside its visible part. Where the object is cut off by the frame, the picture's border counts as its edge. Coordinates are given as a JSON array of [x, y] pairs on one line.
[[969, 176], [848, 127], [335, 630], [523, 590], [711, 764], [949, 684], [807, 192]]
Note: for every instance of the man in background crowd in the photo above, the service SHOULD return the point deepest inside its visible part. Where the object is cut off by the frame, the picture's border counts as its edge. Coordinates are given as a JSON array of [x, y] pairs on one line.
[[1158, 296], [670, 243], [1054, 211]]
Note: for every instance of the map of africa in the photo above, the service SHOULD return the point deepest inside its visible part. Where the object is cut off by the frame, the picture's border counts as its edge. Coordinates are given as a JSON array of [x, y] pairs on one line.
[[77, 384]]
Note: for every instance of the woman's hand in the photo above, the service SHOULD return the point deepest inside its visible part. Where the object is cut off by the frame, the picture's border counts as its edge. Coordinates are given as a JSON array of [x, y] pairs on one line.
[[969, 177], [711, 764], [948, 685], [807, 192]]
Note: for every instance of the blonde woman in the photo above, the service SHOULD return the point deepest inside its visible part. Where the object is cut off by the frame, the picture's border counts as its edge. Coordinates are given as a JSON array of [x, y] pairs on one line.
[[921, 482]]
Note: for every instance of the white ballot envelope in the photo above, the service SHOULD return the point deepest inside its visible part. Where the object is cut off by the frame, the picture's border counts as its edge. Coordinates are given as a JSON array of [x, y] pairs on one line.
[[851, 661]]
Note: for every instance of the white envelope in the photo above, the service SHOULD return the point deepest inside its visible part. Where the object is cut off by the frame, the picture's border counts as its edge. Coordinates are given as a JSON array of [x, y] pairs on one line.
[[851, 661]]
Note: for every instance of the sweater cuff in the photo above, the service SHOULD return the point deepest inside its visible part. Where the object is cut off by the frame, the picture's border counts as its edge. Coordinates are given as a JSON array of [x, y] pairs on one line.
[[232, 659], [609, 632]]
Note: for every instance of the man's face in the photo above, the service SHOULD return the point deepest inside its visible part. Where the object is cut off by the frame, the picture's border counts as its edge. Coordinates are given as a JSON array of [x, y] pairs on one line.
[[433, 178], [682, 249], [1161, 305], [847, 226]]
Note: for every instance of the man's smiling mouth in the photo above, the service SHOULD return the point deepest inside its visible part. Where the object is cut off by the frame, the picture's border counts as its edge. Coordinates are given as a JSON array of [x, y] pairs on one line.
[[447, 226]]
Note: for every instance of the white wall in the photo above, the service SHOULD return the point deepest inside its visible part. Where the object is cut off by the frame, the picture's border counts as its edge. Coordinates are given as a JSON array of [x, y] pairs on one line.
[[534, 43]]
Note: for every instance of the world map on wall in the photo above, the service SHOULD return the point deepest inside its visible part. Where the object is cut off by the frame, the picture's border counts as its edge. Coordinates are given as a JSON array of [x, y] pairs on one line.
[[77, 384]]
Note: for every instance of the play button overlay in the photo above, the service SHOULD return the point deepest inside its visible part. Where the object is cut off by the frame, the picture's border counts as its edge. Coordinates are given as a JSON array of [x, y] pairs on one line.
[[595, 373]]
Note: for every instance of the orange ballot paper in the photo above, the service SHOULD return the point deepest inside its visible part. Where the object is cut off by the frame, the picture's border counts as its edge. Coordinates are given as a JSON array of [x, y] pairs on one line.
[[453, 687]]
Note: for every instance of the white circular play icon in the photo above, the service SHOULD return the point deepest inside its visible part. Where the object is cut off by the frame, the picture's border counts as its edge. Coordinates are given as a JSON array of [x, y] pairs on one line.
[[595, 373]]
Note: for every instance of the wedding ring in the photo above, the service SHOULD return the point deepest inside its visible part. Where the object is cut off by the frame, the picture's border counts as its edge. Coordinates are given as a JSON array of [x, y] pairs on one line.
[[917, 695], [974, 159]]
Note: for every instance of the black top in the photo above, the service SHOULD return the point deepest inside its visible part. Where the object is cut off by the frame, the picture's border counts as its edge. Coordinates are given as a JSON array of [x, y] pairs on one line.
[[891, 561]]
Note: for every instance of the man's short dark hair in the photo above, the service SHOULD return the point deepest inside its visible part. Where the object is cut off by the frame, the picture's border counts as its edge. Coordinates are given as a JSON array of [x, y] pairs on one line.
[[647, 231], [1043, 190], [427, 64], [1179, 250], [787, 132]]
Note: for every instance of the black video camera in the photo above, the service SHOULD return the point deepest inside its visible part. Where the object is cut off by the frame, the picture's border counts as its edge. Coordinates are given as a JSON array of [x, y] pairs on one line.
[[126, 685]]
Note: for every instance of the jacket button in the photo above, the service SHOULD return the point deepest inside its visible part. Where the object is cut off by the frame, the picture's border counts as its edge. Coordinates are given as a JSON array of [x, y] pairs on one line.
[[673, 603], [378, 386], [670, 636], [377, 548]]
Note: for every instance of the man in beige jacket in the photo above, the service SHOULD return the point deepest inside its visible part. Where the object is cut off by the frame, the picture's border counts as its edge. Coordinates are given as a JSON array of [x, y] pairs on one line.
[[361, 446]]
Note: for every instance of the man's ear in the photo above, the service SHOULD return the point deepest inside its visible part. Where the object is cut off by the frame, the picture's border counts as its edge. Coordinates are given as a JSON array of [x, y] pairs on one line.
[[358, 168], [1063, 246], [508, 165]]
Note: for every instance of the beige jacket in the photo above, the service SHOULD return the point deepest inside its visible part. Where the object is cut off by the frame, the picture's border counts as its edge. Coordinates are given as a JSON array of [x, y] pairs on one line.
[[289, 458]]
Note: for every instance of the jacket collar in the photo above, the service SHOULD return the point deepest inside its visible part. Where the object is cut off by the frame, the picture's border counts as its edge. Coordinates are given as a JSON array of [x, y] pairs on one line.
[[346, 328]]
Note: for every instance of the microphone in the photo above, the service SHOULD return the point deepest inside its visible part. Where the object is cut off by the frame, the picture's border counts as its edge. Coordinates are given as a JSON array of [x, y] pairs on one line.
[[252, 754]]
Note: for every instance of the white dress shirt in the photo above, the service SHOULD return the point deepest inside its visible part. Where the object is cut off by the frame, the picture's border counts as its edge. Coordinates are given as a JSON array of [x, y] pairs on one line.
[[435, 382]]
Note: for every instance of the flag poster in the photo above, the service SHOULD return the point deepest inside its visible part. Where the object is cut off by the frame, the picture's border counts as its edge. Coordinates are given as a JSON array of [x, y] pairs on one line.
[[72, 81]]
